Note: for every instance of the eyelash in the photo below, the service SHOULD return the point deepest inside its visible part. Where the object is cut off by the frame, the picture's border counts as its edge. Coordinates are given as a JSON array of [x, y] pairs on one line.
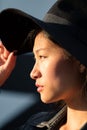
[[42, 57]]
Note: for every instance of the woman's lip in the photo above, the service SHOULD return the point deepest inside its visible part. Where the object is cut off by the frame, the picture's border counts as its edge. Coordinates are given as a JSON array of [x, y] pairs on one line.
[[39, 87]]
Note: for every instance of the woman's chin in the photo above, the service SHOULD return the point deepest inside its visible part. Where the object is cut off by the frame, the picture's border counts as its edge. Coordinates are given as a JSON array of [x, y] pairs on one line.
[[46, 100]]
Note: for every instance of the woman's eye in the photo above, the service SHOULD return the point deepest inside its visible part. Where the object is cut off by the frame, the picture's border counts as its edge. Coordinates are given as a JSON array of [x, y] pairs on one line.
[[42, 57]]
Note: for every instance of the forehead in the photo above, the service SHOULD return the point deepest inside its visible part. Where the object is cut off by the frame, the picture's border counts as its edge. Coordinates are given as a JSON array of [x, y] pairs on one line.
[[42, 41]]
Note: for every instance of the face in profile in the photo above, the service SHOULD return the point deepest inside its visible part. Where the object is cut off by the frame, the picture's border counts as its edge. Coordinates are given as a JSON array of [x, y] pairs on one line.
[[56, 75]]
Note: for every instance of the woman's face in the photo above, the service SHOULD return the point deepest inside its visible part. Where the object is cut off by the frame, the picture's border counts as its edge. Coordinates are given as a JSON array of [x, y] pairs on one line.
[[56, 76]]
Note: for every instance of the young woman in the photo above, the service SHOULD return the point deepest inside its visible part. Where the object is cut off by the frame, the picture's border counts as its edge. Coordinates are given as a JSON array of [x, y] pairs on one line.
[[60, 76], [59, 45]]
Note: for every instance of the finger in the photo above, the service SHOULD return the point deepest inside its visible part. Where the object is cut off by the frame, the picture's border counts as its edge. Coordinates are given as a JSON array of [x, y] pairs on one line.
[[3, 51], [1, 47], [0, 42], [10, 63], [6, 53]]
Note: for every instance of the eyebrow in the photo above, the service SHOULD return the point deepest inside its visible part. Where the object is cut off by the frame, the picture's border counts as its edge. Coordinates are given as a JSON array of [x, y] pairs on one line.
[[41, 49]]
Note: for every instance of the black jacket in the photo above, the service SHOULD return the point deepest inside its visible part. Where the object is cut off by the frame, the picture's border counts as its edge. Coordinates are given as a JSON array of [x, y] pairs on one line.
[[47, 121]]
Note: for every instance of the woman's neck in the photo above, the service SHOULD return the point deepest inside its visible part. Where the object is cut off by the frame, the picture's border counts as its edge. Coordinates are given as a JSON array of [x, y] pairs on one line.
[[76, 118], [76, 113]]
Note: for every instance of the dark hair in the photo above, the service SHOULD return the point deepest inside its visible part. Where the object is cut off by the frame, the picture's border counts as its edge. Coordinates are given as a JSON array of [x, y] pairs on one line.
[[31, 37]]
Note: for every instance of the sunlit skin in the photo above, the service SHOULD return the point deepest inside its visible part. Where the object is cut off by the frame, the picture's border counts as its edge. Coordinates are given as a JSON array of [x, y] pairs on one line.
[[56, 76]]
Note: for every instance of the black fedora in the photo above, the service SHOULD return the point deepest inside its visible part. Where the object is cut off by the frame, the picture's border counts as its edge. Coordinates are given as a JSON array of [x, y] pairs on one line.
[[66, 22]]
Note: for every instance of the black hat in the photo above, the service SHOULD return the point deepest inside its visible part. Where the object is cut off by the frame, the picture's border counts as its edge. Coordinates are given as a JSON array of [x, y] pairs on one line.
[[66, 22]]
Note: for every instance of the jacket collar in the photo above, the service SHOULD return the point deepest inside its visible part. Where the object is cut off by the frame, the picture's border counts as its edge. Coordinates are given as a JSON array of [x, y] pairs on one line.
[[54, 121]]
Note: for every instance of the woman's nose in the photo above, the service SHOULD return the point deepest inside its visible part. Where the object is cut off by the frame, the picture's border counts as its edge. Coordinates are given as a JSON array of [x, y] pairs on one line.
[[35, 73]]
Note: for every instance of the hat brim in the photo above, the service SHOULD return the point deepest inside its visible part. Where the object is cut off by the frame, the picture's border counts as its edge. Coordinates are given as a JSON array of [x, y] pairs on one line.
[[14, 28], [15, 25]]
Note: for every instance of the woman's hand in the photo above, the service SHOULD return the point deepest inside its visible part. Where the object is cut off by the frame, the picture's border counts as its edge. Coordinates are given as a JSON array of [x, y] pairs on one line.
[[7, 63]]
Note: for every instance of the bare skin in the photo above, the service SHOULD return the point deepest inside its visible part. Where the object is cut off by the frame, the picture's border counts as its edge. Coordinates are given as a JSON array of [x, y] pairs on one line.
[[76, 114], [7, 63]]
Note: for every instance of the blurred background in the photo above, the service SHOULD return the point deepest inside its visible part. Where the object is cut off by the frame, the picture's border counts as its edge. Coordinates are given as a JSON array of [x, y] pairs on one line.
[[18, 96]]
